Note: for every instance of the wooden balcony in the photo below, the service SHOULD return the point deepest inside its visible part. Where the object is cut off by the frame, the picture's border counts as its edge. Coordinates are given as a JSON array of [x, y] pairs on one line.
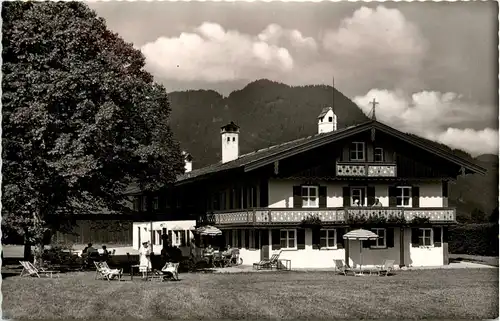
[[350, 169], [342, 215], [434, 214]]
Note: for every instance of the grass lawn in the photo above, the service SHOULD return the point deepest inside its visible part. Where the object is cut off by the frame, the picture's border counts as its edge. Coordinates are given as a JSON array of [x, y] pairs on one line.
[[451, 294]]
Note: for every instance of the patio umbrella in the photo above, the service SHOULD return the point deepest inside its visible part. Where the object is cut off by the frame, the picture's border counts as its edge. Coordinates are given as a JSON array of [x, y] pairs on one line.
[[208, 230], [360, 235]]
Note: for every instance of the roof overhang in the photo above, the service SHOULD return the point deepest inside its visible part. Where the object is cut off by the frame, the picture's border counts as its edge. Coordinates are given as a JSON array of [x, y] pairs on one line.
[[334, 136]]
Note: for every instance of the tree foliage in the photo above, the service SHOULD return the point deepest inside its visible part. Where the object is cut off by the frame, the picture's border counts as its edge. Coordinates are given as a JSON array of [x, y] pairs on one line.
[[82, 119]]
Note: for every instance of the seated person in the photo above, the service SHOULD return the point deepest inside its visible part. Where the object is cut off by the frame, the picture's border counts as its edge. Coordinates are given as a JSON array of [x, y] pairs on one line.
[[228, 251], [170, 267], [209, 250], [377, 203], [105, 253]]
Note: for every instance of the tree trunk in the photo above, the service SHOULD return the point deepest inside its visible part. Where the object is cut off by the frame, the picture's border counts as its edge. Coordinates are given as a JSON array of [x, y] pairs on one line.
[[27, 247]]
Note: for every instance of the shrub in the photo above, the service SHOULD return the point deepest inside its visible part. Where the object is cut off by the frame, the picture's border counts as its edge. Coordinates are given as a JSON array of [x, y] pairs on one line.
[[474, 239], [60, 254]]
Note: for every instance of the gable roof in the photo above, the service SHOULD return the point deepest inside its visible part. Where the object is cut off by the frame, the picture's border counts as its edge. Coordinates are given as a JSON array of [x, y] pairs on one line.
[[263, 157], [324, 111]]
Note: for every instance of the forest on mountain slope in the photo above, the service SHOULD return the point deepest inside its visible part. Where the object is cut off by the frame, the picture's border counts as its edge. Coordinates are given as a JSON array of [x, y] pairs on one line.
[[271, 113]]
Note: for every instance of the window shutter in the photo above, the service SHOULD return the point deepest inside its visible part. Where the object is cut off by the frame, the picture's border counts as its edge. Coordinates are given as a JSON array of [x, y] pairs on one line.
[[245, 197], [445, 234], [301, 238], [436, 231], [264, 237], [264, 200], [415, 195], [239, 238], [414, 237], [275, 239], [247, 239], [370, 191], [445, 188], [254, 196], [390, 236], [316, 239], [170, 237], [340, 240], [346, 193], [183, 238], [322, 196], [392, 196], [297, 197]]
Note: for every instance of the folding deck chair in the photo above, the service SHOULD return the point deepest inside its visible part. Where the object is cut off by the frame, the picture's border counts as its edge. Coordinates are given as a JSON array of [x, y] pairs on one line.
[[341, 267], [31, 270], [264, 264], [103, 271], [169, 270], [387, 267]]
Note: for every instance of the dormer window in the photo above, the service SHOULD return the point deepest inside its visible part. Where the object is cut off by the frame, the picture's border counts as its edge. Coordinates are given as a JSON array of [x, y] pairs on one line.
[[357, 151]]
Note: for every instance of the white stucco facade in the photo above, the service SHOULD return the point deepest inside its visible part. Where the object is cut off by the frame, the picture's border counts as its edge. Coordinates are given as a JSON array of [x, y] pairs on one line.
[[142, 233], [323, 258], [281, 193]]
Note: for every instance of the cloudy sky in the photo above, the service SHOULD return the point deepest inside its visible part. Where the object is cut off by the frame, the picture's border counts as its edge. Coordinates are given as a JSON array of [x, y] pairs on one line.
[[432, 66]]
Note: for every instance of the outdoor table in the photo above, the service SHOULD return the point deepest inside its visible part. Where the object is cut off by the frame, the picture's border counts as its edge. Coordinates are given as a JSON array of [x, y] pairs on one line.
[[286, 266], [132, 267]]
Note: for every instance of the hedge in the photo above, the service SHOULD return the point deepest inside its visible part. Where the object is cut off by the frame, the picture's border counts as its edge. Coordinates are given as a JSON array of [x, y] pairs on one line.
[[474, 239]]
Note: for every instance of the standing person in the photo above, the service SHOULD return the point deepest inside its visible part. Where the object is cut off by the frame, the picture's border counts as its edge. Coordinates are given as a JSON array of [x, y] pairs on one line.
[[144, 259]]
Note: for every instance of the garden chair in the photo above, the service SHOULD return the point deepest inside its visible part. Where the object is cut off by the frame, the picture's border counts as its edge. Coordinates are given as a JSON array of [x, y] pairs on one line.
[[170, 270], [103, 271], [264, 264], [31, 270], [387, 267], [341, 267]]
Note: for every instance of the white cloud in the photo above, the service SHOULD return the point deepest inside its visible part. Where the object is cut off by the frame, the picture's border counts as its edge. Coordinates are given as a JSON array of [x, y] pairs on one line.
[[276, 35], [376, 45], [434, 115], [213, 54]]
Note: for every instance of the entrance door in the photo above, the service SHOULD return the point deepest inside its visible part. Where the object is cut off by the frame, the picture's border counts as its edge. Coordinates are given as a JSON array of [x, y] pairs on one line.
[[264, 244]]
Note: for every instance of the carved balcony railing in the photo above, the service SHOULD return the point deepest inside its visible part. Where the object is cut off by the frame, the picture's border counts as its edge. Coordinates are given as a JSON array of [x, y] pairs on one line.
[[284, 216], [349, 169], [265, 216], [402, 214]]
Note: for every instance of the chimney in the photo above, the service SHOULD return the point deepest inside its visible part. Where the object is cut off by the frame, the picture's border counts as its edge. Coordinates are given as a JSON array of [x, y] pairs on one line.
[[230, 142], [327, 121], [188, 162]]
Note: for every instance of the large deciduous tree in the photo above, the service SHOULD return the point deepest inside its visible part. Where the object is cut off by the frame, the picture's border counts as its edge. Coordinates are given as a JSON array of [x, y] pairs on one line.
[[82, 119]]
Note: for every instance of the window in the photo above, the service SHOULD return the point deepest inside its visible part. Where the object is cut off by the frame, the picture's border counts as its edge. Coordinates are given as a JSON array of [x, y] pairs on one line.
[[144, 204], [288, 239], [229, 139], [234, 139], [158, 237], [251, 239], [357, 152], [310, 196], [378, 154], [155, 203], [403, 196], [380, 242], [357, 196], [328, 238], [330, 119], [425, 236], [176, 238], [136, 203]]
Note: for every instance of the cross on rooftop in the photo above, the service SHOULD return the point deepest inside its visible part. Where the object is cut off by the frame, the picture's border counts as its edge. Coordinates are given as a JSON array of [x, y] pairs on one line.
[[374, 104]]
